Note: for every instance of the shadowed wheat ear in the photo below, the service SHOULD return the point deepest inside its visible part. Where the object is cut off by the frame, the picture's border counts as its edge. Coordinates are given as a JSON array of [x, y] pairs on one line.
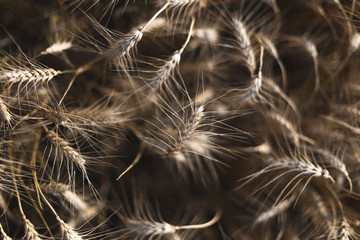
[[338, 164], [67, 230], [269, 45], [186, 134], [274, 210], [63, 191], [255, 87], [30, 231], [165, 71], [63, 147], [244, 40], [124, 46], [290, 127], [302, 167]]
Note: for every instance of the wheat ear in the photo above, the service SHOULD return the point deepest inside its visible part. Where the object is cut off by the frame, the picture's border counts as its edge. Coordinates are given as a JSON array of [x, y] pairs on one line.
[[57, 47], [123, 46], [150, 228], [164, 71], [3, 233], [5, 111], [30, 231], [255, 87], [28, 75], [244, 40], [67, 230], [64, 147]]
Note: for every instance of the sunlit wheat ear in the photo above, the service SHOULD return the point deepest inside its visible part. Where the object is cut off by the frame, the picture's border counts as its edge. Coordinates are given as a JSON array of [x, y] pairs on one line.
[[274, 210], [186, 3], [57, 47], [243, 37], [27, 75]]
